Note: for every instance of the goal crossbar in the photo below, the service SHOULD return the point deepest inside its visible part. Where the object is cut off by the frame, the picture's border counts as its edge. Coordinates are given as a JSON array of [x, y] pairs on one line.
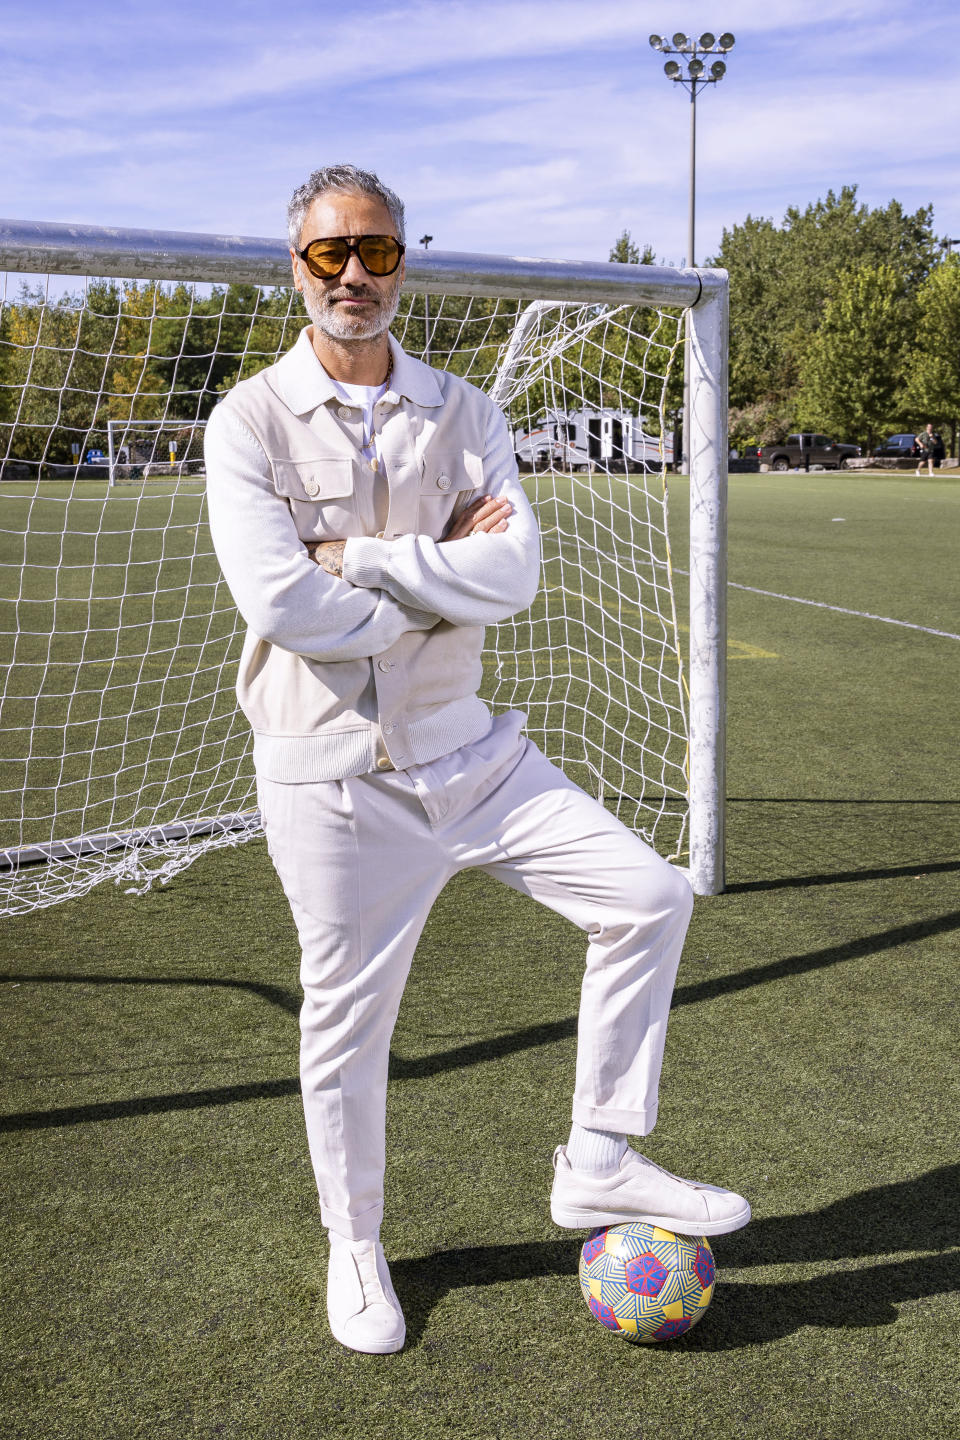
[[29, 248]]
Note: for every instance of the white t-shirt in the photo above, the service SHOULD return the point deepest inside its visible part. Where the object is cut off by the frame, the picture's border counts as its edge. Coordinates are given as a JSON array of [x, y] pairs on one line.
[[363, 398]]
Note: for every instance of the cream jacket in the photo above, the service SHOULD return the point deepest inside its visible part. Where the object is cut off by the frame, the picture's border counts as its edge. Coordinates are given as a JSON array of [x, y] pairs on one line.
[[341, 676]]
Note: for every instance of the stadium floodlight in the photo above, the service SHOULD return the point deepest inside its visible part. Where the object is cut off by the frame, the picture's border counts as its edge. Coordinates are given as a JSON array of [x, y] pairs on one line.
[[694, 80], [656, 42]]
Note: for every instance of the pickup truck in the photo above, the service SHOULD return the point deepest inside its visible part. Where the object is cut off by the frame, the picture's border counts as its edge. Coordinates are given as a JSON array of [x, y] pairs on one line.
[[806, 449]]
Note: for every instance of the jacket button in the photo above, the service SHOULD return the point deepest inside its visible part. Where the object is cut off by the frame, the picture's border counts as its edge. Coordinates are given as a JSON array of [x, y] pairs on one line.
[[345, 412], [384, 763], [312, 487], [444, 482], [389, 729], [385, 665]]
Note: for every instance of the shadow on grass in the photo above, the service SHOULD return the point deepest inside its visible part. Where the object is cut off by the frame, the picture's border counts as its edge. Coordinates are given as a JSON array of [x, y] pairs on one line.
[[694, 994], [155, 1104], [911, 1215], [460, 1056], [751, 1314], [845, 877], [273, 994]]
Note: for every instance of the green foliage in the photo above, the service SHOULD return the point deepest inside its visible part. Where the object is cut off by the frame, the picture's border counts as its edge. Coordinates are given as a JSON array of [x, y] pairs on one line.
[[627, 252], [932, 388], [851, 369], [782, 279], [128, 351]]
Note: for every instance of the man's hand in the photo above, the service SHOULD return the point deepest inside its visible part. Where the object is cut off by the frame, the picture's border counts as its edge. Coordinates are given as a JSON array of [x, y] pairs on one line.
[[328, 554], [483, 516]]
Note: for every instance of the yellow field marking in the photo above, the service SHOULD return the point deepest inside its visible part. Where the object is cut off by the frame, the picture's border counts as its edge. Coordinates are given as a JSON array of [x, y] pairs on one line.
[[736, 649], [740, 649]]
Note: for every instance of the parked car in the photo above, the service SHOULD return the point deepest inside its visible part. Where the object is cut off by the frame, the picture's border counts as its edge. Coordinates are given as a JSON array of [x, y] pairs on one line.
[[806, 449], [900, 445]]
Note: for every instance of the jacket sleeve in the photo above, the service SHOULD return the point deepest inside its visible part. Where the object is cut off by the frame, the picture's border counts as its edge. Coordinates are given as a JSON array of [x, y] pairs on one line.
[[476, 581], [283, 596]]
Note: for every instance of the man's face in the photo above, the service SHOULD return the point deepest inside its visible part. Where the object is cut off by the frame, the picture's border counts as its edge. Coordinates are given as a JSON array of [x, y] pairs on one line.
[[354, 305]]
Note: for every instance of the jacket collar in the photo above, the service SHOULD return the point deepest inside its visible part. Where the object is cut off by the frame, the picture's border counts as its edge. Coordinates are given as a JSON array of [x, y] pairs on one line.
[[303, 384]]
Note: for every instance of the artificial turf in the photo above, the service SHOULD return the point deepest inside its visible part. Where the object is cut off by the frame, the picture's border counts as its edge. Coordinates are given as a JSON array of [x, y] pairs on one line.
[[164, 1266]]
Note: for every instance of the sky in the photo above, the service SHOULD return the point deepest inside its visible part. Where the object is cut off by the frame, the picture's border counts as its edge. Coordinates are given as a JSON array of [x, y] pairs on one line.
[[523, 127]]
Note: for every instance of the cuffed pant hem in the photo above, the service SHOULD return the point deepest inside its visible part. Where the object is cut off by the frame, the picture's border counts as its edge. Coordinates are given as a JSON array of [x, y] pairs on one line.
[[359, 1227], [621, 1122]]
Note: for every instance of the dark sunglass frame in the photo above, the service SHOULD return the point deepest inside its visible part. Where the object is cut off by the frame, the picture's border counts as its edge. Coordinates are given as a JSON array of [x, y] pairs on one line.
[[352, 246]]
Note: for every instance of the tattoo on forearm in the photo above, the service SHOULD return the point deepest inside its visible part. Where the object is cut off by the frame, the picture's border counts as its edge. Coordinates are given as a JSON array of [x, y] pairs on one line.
[[328, 554]]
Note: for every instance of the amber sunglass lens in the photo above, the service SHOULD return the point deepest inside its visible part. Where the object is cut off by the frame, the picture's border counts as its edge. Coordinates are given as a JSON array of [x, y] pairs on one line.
[[380, 254], [327, 257]]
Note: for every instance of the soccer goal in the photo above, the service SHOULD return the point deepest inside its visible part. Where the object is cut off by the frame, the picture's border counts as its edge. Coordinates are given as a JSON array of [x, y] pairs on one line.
[[154, 449], [122, 751]]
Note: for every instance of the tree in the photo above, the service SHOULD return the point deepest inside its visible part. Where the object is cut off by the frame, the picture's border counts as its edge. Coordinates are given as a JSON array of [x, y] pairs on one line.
[[851, 370], [627, 252], [783, 277], [932, 387]]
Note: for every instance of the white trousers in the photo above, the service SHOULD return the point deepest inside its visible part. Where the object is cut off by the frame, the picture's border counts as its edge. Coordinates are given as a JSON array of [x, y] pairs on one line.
[[362, 861]]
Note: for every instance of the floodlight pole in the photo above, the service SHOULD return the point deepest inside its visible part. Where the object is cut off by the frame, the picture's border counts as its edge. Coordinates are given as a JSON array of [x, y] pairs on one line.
[[425, 242], [692, 198], [694, 79]]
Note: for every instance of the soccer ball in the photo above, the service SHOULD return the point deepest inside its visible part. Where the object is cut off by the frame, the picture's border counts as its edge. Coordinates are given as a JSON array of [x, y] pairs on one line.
[[646, 1283]]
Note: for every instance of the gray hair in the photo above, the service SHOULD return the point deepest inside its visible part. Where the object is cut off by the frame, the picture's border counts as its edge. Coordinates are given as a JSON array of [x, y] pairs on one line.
[[340, 177]]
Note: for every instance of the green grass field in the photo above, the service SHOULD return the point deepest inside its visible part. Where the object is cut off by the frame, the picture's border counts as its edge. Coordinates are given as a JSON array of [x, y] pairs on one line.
[[164, 1266]]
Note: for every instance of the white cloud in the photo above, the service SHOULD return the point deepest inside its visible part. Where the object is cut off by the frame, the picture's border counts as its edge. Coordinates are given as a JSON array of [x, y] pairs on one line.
[[539, 125]]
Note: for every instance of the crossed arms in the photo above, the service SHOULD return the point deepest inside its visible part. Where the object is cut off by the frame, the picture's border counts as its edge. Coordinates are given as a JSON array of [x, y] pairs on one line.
[[487, 515], [364, 593]]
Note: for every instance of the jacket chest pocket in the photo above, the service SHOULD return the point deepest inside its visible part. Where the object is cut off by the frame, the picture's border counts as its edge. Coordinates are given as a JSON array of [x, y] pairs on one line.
[[447, 486], [321, 495]]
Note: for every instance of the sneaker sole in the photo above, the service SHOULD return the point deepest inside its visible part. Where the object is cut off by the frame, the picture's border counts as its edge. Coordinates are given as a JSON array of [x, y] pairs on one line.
[[374, 1347], [569, 1219]]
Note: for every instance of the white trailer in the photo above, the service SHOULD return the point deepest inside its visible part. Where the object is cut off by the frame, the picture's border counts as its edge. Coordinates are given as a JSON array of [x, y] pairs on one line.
[[584, 439]]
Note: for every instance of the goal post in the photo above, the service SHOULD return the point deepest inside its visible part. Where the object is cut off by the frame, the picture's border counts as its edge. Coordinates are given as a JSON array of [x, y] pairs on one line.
[[122, 753]]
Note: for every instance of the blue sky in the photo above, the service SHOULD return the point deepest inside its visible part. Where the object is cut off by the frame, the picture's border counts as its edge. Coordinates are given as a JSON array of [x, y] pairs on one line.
[[537, 127]]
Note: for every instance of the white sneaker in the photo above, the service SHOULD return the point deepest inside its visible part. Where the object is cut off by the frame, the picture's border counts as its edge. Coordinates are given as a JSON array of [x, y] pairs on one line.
[[640, 1190], [363, 1311]]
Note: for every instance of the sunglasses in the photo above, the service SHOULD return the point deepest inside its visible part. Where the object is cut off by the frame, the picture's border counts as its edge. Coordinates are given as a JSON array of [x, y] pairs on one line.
[[378, 254]]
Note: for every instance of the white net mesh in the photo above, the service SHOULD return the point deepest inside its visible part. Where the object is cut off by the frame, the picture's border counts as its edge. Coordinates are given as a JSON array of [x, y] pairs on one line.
[[122, 752]]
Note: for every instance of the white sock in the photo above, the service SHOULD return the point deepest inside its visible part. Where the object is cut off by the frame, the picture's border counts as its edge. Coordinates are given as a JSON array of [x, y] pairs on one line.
[[595, 1149], [354, 1245]]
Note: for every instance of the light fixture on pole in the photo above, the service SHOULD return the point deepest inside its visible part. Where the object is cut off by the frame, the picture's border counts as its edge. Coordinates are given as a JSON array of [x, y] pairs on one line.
[[694, 79], [425, 242]]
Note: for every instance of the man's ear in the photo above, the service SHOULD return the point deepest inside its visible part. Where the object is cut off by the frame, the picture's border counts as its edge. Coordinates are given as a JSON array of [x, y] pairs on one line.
[[297, 283]]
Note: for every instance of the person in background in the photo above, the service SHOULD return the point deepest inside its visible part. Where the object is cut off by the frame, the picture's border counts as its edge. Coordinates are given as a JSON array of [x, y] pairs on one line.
[[930, 450]]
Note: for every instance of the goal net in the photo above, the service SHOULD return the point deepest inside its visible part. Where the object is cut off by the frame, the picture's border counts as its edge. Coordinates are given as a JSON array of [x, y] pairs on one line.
[[122, 751]]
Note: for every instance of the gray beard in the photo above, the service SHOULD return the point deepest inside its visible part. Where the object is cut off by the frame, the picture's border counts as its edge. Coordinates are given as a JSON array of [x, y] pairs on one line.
[[328, 318]]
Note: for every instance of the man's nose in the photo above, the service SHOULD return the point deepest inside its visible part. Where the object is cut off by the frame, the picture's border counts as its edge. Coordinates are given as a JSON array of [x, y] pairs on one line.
[[353, 272]]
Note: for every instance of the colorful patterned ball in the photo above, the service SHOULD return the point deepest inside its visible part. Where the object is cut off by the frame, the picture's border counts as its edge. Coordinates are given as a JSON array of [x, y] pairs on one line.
[[646, 1283]]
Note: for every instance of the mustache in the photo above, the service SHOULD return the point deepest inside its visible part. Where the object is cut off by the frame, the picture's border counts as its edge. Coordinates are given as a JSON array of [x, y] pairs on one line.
[[353, 292]]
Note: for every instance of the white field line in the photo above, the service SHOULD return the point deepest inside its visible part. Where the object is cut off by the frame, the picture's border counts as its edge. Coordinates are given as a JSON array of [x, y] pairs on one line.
[[840, 609]]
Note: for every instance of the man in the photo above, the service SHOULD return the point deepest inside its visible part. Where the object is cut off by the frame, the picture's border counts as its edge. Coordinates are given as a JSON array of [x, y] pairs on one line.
[[369, 521], [929, 447]]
